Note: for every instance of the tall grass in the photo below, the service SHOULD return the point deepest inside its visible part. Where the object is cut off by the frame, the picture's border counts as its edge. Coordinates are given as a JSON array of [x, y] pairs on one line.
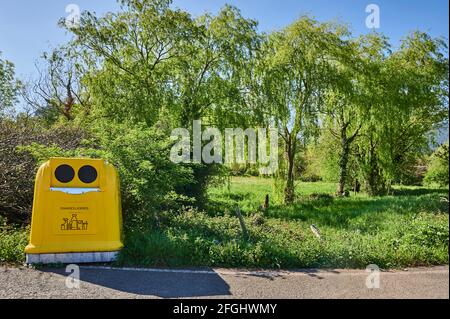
[[408, 229], [12, 244]]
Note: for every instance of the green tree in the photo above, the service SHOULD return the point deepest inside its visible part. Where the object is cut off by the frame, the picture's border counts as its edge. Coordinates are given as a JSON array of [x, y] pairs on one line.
[[58, 91], [210, 84], [437, 172], [345, 108], [153, 64], [299, 65], [375, 50], [9, 86], [420, 100], [152, 61], [132, 56], [407, 91]]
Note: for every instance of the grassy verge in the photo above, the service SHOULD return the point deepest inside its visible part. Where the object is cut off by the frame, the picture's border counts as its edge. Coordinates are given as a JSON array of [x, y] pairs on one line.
[[408, 229]]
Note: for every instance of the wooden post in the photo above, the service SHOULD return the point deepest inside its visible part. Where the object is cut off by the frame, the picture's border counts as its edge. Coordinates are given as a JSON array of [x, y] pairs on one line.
[[266, 202]]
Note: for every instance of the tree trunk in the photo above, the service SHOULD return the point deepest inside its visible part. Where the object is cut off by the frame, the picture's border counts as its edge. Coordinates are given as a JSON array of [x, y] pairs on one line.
[[346, 141], [266, 202], [289, 191], [197, 188], [357, 186], [374, 183], [343, 161]]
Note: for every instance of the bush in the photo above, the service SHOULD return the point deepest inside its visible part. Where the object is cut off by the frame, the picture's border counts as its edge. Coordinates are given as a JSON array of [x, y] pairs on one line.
[[438, 172], [12, 244], [18, 168], [148, 178]]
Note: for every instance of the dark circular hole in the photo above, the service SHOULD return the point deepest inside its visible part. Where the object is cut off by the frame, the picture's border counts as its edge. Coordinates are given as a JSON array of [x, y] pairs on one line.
[[87, 174], [64, 173]]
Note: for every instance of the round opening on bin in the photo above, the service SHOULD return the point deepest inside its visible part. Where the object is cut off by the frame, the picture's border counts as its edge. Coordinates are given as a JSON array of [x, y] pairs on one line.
[[64, 173], [87, 174]]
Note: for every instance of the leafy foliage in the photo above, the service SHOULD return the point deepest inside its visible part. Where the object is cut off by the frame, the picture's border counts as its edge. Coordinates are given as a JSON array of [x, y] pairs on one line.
[[147, 176], [17, 168], [297, 66], [9, 86], [407, 230], [351, 111], [438, 168], [12, 244]]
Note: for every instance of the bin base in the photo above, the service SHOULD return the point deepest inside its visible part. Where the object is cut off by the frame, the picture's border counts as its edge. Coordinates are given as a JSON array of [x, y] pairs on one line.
[[72, 258]]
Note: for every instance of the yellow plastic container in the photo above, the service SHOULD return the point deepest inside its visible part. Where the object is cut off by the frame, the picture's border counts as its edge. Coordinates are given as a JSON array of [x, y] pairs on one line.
[[76, 209]]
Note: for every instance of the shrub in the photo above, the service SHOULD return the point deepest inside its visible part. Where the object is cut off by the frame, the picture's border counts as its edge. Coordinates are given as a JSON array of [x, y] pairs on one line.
[[12, 244], [148, 178], [437, 172], [18, 168]]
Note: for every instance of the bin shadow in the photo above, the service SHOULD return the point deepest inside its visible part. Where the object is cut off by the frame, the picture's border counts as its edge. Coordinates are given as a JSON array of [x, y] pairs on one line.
[[154, 283]]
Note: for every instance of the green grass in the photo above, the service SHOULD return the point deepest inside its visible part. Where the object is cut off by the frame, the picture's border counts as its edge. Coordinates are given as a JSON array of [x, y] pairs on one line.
[[249, 193], [12, 244], [408, 229]]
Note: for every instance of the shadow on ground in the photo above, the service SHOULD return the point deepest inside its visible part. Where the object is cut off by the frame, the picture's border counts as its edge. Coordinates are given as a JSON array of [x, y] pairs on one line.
[[159, 284], [402, 191]]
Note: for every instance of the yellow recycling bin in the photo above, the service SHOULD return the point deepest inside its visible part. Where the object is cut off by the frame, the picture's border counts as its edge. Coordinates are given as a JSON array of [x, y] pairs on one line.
[[76, 212]]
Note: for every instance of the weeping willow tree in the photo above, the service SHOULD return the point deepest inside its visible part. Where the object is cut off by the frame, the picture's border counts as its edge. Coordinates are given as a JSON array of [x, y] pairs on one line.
[[299, 65], [407, 91], [156, 65], [345, 111]]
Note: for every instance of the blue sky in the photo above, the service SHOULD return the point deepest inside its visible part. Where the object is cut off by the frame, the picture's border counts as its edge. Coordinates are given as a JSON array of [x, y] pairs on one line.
[[27, 28]]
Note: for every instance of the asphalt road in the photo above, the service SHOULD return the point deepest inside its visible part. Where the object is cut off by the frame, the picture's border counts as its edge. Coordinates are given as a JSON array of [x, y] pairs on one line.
[[98, 282]]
